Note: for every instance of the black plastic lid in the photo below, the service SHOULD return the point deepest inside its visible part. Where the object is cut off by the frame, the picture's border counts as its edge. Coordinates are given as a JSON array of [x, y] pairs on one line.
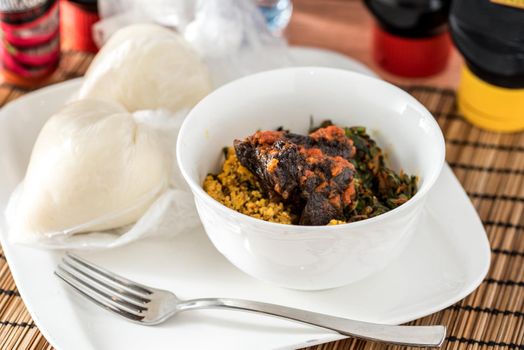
[[491, 39], [411, 18]]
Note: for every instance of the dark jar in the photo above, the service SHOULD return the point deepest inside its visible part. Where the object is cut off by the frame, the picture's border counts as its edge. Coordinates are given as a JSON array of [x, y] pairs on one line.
[[490, 36], [410, 38]]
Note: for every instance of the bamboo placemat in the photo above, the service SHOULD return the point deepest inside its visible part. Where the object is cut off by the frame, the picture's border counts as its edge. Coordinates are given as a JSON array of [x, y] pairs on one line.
[[490, 166]]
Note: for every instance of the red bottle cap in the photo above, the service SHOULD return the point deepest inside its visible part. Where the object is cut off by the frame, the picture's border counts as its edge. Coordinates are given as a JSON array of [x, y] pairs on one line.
[[76, 26], [411, 57]]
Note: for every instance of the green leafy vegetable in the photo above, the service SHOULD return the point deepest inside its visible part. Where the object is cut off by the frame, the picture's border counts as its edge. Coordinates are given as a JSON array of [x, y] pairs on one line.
[[378, 188]]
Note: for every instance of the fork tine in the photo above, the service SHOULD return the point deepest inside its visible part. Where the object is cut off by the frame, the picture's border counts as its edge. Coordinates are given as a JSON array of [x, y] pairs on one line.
[[97, 296], [108, 285], [116, 294], [94, 297], [124, 282]]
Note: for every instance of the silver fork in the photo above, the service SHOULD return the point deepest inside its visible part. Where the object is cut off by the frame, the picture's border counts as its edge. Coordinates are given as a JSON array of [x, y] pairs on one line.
[[150, 306]]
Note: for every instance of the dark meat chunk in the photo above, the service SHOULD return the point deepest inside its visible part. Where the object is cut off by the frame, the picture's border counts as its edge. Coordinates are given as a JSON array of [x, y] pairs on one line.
[[333, 142], [313, 173], [274, 160]]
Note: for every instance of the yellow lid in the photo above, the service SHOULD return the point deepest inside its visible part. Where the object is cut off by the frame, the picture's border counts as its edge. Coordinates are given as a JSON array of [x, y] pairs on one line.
[[488, 106]]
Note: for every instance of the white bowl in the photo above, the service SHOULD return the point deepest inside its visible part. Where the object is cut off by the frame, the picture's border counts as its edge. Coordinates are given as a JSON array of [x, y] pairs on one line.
[[310, 257]]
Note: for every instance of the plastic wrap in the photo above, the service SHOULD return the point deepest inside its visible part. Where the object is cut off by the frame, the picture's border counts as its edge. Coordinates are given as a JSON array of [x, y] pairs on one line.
[[230, 35], [100, 177]]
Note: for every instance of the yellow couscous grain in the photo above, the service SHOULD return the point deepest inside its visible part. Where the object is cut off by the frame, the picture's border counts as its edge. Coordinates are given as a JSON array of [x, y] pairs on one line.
[[336, 222], [237, 188]]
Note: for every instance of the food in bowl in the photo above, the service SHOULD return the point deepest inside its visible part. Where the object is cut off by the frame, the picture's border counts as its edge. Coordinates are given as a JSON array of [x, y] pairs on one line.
[[334, 175], [298, 256]]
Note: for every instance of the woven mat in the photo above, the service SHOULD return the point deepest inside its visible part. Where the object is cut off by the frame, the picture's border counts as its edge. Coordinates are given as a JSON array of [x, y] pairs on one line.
[[490, 166]]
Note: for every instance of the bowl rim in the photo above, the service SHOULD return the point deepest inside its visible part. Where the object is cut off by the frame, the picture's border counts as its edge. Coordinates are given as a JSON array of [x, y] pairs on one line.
[[430, 180]]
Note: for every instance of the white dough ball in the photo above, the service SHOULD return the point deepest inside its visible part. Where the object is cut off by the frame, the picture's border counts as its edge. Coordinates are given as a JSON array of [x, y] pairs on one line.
[[93, 167], [146, 66]]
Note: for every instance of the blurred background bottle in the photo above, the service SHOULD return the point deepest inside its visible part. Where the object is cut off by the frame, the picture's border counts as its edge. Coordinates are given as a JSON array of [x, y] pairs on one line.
[[277, 13], [490, 36], [30, 48], [411, 38], [76, 19]]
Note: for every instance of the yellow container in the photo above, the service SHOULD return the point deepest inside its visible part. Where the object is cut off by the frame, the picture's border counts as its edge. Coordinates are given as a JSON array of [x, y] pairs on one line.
[[489, 106]]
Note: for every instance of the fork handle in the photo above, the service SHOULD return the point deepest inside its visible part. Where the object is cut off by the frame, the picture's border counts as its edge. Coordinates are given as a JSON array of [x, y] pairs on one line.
[[422, 336]]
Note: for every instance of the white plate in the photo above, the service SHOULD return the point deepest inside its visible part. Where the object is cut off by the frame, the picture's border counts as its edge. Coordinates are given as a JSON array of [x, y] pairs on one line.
[[415, 285]]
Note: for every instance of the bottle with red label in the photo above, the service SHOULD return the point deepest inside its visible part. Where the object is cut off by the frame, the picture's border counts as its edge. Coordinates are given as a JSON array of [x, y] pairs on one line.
[[410, 38], [77, 18], [30, 48]]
